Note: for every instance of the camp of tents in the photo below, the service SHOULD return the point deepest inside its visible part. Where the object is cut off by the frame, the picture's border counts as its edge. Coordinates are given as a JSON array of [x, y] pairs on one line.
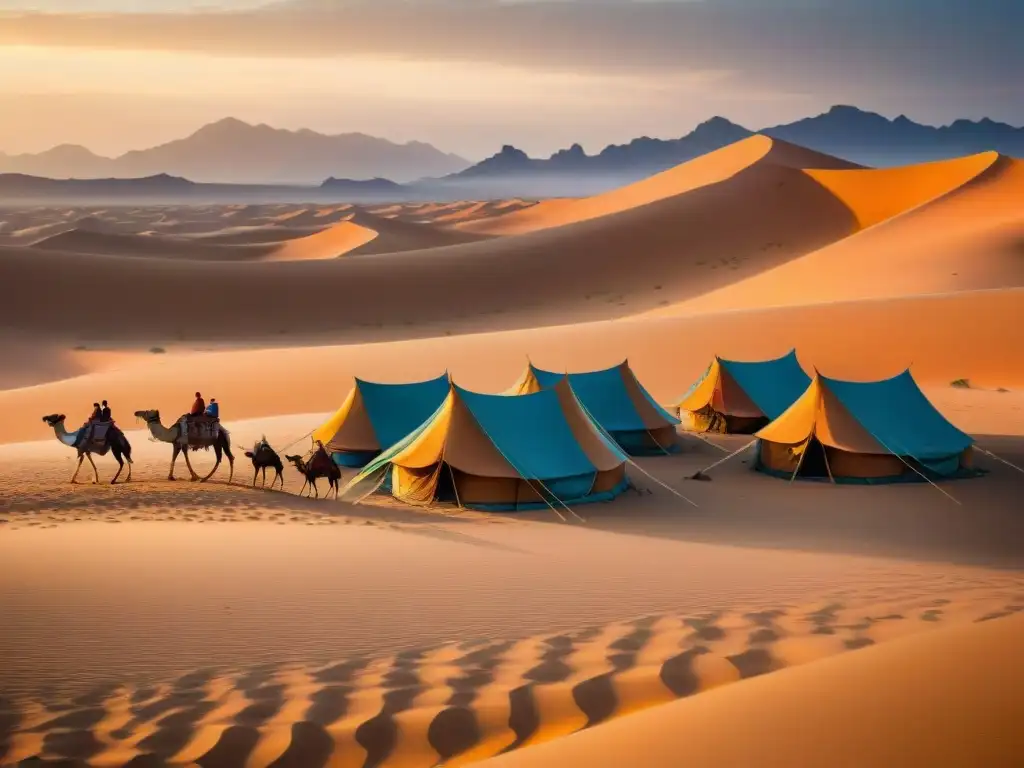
[[560, 439]]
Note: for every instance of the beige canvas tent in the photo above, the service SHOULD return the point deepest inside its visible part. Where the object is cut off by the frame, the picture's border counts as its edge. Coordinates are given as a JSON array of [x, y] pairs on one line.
[[735, 397], [879, 431], [501, 453]]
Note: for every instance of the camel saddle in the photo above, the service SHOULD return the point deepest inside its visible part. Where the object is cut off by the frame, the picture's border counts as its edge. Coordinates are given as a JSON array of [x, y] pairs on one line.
[[92, 437], [200, 430], [319, 461]]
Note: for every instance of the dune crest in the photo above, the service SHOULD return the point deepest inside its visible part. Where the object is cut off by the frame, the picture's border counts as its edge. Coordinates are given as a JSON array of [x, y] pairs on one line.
[[962, 230], [962, 713], [702, 171]]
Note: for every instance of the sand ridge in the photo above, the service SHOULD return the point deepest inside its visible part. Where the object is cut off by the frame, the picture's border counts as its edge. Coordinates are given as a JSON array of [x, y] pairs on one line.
[[963, 233], [459, 703], [712, 168], [832, 707]]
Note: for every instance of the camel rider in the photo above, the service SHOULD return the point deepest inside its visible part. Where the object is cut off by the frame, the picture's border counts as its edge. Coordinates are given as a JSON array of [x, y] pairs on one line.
[[198, 407], [97, 414], [105, 412], [213, 410]]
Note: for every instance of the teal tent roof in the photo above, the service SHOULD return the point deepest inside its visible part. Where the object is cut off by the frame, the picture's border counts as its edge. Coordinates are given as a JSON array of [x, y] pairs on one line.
[[772, 385], [395, 410], [531, 432], [606, 399], [898, 415]]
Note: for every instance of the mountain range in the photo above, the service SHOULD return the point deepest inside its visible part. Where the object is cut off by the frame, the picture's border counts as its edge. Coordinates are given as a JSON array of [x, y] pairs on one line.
[[234, 154], [862, 137]]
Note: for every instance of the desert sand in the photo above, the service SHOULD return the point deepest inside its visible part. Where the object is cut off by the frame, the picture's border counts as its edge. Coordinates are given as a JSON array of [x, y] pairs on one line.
[[220, 624]]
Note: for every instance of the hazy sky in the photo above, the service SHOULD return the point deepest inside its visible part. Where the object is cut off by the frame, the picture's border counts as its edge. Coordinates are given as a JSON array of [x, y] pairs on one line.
[[471, 75]]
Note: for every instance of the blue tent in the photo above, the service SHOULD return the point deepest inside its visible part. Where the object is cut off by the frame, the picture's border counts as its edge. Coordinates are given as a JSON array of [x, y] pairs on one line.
[[617, 401], [739, 396], [503, 454], [864, 432], [375, 416]]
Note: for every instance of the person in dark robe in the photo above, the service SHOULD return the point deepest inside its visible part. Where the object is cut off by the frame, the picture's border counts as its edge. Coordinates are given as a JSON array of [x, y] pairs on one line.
[[97, 413], [198, 407], [105, 412]]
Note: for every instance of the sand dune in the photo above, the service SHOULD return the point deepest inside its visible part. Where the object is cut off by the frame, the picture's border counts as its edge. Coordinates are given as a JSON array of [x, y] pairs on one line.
[[667, 354], [835, 708], [618, 264], [396, 236], [708, 169], [963, 232]]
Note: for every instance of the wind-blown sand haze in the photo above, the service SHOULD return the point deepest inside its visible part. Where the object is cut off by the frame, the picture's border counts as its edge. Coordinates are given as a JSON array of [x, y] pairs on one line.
[[745, 619]]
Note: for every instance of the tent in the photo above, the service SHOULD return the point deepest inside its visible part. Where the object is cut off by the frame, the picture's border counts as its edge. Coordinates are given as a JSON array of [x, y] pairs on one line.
[[877, 431], [741, 397], [375, 416], [501, 453], [617, 401]]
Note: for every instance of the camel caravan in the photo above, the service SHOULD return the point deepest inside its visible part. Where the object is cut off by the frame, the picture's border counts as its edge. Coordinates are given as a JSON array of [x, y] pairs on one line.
[[566, 438]]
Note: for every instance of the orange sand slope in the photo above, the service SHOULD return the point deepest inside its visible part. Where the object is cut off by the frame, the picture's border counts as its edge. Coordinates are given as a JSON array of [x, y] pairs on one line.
[[746, 226], [711, 168], [961, 228], [615, 265], [968, 335], [947, 698]]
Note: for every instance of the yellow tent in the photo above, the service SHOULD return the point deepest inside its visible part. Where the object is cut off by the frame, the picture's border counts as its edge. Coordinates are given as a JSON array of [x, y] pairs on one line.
[[502, 453], [741, 397], [863, 431]]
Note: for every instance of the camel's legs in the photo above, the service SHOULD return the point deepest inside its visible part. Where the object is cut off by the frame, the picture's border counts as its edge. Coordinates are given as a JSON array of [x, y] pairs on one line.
[[188, 463], [120, 468], [280, 476], [216, 450], [303, 488], [95, 472], [264, 483], [129, 478], [174, 458], [255, 474], [231, 462], [312, 481], [81, 458]]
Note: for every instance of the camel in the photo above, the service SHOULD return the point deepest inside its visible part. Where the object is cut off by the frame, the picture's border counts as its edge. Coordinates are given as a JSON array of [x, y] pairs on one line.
[[320, 465], [221, 444], [114, 441], [263, 456]]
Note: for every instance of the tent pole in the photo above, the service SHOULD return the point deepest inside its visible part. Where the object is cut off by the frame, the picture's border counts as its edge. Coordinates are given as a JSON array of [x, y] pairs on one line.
[[803, 455], [824, 455], [455, 489]]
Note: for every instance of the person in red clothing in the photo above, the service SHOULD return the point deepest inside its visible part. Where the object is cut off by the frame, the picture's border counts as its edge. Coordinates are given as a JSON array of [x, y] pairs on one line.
[[198, 407]]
